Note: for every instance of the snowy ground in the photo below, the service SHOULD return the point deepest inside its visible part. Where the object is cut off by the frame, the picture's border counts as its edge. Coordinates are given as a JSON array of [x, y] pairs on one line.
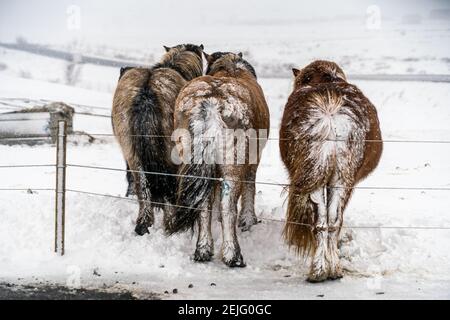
[[102, 249]]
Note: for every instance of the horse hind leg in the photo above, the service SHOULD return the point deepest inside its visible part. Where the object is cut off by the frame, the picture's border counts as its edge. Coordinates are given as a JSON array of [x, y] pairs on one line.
[[319, 266], [231, 251], [338, 196], [145, 217], [204, 248], [130, 181], [205, 244], [247, 216]]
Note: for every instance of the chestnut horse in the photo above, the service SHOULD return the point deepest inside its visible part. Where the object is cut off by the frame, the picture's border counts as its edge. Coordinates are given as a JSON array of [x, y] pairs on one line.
[[228, 99], [329, 141], [142, 118]]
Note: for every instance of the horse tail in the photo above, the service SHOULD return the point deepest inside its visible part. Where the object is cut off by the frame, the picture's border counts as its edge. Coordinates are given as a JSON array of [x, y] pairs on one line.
[[198, 177], [298, 230], [148, 144]]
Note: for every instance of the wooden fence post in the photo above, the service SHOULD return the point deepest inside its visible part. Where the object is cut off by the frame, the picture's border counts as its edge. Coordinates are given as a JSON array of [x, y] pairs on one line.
[[60, 195]]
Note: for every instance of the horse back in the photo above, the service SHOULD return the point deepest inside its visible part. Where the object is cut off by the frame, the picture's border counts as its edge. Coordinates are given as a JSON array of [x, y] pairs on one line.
[[325, 130], [241, 103]]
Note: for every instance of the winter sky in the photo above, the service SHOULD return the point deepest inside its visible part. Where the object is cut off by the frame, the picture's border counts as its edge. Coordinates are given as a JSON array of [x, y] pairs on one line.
[[128, 22]]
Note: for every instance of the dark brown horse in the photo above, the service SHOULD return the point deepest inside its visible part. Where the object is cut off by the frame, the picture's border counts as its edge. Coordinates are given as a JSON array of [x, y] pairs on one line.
[[214, 111], [142, 118], [329, 140]]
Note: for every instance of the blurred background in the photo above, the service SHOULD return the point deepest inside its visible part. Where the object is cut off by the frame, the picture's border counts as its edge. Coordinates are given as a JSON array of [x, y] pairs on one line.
[[365, 37]]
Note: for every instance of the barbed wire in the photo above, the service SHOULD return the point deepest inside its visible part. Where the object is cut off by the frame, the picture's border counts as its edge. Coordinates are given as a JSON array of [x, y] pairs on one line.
[[262, 218]]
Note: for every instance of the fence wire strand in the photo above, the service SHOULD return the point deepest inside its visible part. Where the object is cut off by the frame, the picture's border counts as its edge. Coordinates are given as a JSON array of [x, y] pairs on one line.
[[262, 218], [283, 139], [256, 182], [27, 189], [37, 137], [28, 166], [418, 141]]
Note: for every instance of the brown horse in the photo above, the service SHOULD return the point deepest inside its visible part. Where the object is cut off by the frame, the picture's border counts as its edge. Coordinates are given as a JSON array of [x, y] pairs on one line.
[[142, 118], [215, 110], [329, 140]]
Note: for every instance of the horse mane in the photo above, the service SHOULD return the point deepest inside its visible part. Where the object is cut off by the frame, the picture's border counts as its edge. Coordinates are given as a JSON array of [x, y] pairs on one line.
[[187, 63], [319, 71], [230, 63]]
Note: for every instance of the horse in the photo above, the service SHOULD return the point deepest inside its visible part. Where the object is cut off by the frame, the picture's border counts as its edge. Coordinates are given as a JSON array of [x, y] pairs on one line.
[[142, 120], [225, 105], [330, 140]]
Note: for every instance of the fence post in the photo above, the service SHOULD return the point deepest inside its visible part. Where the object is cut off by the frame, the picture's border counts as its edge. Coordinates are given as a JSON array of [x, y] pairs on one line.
[[60, 195]]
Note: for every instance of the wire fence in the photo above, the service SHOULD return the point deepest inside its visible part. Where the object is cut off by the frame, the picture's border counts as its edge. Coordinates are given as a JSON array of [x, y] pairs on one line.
[[40, 103], [260, 217], [279, 139], [32, 189], [63, 165], [284, 185], [250, 138], [13, 104], [27, 165], [253, 181], [16, 120], [93, 114]]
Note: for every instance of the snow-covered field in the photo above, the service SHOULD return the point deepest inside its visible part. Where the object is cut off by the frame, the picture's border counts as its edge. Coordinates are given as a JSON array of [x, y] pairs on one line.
[[382, 257]]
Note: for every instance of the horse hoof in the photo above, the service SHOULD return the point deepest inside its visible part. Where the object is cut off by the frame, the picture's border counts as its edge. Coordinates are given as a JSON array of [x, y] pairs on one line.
[[203, 255], [141, 229], [236, 262], [335, 276], [317, 277], [246, 225]]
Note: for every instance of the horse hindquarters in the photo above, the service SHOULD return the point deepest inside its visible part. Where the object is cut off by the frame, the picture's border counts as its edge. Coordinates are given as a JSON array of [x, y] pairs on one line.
[[136, 117], [329, 153]]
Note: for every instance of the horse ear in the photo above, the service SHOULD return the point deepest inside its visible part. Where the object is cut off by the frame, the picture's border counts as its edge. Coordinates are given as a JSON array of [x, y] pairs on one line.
[[166, 48], [240, 54], [295, 72], [202, 47], [209, 58]]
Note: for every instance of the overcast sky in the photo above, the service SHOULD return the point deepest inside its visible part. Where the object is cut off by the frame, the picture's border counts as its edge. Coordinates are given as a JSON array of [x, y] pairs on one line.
[[46, 20]]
